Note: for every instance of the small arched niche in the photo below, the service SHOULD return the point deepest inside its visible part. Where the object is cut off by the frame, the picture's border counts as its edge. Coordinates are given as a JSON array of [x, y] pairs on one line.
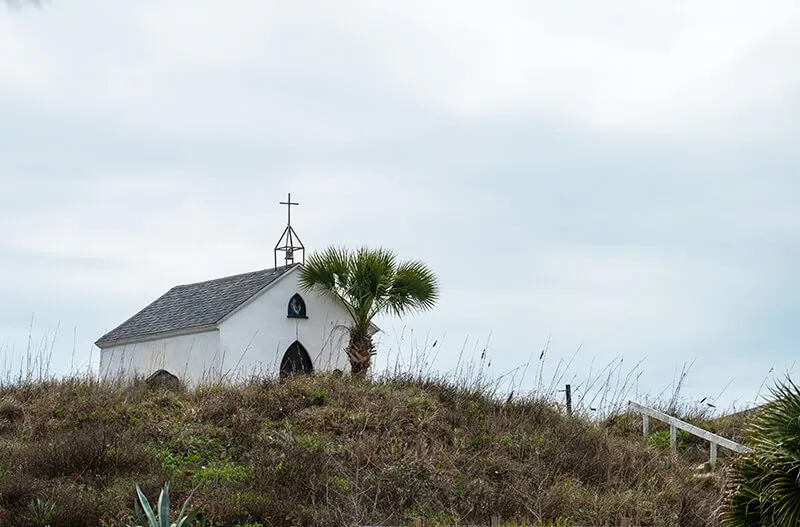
[[296, 307], [163, 379]]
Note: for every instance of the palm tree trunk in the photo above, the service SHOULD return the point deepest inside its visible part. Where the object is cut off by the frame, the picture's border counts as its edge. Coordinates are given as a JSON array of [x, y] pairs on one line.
[[360, 351]]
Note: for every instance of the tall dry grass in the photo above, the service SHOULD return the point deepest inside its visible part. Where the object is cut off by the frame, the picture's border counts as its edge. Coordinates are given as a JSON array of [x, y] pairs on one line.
[[454, 448]]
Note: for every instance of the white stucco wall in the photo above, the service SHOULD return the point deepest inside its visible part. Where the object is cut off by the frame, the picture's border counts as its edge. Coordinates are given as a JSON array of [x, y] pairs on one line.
[[193, 357], [255, 337]]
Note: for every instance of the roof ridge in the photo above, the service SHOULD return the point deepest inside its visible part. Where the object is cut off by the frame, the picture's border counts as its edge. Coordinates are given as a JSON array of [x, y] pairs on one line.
[[282, 268]]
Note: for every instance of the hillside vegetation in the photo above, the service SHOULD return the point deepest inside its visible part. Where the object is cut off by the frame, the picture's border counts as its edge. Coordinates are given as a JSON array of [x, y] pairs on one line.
[[326, 451]]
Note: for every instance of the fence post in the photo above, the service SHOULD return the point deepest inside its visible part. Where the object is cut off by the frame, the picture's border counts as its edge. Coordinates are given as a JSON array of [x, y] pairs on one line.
[[568, 391], [673, 439], [713, 454], [495, 521], [645, 425]]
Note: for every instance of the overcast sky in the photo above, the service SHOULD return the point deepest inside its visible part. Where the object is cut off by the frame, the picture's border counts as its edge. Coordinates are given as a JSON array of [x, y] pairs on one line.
[[620, 176]]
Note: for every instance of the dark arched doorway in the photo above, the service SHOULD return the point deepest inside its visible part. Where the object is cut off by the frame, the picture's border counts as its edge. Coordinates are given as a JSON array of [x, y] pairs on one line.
[[295, 360]]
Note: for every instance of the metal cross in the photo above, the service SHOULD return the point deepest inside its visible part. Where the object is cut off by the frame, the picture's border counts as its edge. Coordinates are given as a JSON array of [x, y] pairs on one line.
[[289, 204]]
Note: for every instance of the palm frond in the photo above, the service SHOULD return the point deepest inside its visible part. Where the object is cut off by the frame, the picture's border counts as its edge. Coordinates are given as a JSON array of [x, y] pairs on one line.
[[369, 282], [414, 288], [329, 273], [765, 485]]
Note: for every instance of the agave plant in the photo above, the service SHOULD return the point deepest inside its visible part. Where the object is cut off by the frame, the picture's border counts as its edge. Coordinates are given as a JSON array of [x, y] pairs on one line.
[[764, 487], [145, 513], [41, 511]]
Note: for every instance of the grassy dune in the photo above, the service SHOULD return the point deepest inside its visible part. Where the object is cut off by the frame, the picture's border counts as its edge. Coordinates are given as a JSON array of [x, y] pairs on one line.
[[324, 451]]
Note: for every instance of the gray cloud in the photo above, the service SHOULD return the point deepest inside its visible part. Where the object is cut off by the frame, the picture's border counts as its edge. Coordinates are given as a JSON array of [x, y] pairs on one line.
[[621, 179]]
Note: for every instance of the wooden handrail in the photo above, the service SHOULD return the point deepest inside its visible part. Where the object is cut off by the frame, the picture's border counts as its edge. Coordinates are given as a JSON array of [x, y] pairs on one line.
[[675, 423]]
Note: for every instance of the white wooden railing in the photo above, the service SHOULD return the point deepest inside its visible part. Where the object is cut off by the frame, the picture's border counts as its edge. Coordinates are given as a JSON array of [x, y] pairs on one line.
[[675, 423]]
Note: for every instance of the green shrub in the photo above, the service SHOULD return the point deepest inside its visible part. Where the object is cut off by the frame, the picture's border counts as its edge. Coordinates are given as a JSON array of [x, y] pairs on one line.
[[763, 487]]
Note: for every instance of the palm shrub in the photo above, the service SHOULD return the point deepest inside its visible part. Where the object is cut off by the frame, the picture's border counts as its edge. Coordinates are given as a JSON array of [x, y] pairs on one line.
[[764, 487], [369, 282]]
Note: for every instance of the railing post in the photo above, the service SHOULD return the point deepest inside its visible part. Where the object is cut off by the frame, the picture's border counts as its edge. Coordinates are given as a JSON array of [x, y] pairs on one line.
[[645, 425], [713, 454], [568, 391], [673, 439]]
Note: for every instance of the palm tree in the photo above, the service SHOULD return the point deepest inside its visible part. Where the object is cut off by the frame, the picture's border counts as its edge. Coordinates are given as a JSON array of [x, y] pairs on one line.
[[763, 487], [369, 282]]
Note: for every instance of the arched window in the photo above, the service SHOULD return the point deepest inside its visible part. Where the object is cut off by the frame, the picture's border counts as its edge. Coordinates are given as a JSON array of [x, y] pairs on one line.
[[295, 361], [297, 307]]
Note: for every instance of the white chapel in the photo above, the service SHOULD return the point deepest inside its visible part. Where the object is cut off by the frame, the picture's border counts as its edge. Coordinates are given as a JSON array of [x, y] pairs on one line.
[[233, 329]]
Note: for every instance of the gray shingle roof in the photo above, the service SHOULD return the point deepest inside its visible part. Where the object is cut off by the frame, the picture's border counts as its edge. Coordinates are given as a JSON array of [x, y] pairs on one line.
[[191, 306]]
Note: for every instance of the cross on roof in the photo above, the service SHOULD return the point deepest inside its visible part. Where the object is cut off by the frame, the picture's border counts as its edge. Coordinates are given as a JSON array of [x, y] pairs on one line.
[[289, 204]]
